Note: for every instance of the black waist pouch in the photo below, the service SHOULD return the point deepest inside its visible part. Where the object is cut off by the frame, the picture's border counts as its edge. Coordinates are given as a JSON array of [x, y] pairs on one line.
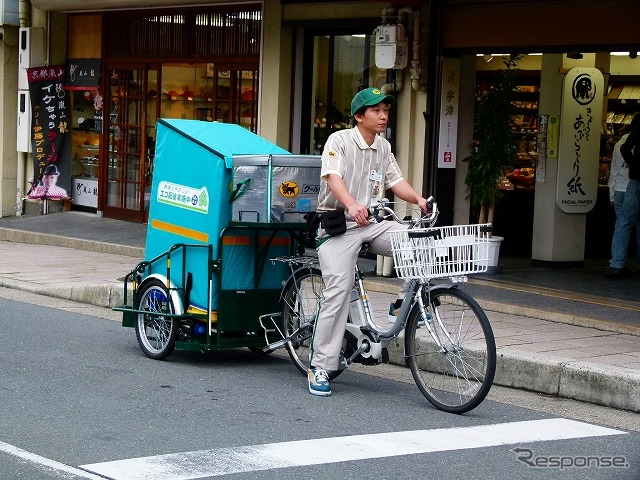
[[334, 222]]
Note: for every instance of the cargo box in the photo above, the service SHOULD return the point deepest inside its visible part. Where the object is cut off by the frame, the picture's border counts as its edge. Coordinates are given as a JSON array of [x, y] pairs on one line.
[[190, 193], [274, 188]]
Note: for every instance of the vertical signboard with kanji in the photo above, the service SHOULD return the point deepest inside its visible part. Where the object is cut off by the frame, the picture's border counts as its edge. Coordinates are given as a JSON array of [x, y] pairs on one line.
[[579, 146], [449, 113], [50, 136]]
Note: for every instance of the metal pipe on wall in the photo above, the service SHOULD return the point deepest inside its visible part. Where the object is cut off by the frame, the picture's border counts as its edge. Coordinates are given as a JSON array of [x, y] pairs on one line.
[[24, 7]]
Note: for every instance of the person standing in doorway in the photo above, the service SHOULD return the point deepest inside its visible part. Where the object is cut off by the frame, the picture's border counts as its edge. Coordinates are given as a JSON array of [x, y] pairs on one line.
[[628, 213], [357, 166]]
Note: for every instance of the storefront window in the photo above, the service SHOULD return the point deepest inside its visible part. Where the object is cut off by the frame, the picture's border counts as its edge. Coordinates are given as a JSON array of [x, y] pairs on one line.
[[342, 66], [205, 92]]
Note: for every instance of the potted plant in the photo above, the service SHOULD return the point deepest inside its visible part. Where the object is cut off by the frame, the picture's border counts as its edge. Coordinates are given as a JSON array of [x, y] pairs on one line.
[[494, 145]]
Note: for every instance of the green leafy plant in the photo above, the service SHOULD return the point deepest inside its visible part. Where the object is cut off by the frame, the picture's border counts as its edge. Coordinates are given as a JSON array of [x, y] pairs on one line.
[[494, 145]]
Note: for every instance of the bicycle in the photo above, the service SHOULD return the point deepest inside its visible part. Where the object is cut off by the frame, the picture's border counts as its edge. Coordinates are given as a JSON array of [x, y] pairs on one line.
[[448, 341]]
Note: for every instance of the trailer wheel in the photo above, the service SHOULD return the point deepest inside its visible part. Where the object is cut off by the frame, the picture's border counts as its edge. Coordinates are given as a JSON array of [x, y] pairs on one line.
[[156, 334]]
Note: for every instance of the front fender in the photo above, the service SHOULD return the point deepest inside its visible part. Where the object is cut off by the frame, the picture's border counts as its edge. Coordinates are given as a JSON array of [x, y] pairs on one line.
[[174, 294]]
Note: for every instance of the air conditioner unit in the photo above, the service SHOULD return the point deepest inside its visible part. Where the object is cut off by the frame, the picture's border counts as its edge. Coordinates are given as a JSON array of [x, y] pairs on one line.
[[30, 53]]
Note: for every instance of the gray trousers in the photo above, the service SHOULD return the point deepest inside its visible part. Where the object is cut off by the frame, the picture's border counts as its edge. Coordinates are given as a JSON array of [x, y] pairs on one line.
[[338, 256]]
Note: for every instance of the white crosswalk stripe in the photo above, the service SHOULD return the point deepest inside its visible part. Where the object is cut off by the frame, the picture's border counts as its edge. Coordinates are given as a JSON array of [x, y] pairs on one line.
[[225, 461], [46, 463]]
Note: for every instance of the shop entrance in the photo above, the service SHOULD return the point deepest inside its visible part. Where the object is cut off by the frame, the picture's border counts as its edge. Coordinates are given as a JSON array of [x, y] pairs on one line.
[[338, 63], [129, 141]]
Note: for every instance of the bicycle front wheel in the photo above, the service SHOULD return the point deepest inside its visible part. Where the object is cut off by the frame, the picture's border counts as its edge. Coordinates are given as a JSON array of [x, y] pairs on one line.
[[455, 372]]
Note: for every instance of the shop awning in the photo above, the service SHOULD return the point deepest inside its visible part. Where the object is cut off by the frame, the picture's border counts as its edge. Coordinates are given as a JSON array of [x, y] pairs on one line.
[[99, 5]]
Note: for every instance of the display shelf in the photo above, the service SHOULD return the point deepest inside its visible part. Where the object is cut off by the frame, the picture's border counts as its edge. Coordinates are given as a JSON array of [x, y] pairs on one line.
[[201, 92], [86, 133]]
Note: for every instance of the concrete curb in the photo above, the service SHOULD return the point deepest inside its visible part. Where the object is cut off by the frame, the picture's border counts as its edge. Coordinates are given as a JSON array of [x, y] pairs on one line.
[[106, 295], [610, 386]]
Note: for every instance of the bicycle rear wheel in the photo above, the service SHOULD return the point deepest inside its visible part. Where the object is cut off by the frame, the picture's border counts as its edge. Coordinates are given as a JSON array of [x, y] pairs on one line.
[[456, 376], [301, 302]]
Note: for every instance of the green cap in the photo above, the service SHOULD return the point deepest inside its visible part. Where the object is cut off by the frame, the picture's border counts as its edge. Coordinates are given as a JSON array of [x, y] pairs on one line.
[[368, 98]]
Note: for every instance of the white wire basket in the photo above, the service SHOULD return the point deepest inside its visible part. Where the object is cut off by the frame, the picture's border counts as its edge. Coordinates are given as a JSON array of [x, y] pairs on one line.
[[441, 252]]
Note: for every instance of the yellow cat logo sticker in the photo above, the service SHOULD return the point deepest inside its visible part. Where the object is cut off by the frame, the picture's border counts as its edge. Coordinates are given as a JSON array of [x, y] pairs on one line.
[[289, 189], [332, 153]]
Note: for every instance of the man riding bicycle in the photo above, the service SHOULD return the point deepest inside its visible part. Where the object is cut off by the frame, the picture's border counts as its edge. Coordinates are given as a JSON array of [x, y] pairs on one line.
[[357, 166]]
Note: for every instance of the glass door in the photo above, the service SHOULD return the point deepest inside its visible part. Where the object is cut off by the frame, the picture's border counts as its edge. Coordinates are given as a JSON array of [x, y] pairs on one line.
[[337, 65], [130, 126]]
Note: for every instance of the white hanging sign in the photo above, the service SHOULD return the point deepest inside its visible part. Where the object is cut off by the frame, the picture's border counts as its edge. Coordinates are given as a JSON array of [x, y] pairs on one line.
[[579, 146], [449, 94]]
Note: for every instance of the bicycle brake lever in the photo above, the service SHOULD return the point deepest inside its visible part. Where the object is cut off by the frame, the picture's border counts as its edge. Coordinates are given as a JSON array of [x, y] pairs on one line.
[[374, 210]]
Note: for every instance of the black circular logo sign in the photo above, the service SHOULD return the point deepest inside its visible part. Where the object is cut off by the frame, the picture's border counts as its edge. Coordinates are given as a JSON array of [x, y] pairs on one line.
[[584, 89]]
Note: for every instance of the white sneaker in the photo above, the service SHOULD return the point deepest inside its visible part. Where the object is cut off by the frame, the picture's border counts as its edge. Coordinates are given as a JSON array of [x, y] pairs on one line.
[[318, 382]]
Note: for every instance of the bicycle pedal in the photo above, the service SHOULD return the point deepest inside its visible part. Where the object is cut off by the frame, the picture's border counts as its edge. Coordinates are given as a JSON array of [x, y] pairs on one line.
[[275, 345]]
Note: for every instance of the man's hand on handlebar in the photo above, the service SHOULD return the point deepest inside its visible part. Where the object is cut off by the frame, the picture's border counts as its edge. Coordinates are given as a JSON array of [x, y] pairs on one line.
[[383, 209], [359, 213], [425, 205]]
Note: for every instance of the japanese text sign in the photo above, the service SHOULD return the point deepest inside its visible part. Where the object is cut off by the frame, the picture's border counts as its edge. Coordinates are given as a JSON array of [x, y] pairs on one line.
[[448, 135], [579, 146], [50, 136]]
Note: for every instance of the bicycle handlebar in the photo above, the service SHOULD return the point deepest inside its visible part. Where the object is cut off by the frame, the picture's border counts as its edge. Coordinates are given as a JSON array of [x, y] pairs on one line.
[[383, 205]]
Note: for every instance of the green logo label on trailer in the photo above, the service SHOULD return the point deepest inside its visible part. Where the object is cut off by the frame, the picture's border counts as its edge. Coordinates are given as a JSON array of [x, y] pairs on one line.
[[185, 197]]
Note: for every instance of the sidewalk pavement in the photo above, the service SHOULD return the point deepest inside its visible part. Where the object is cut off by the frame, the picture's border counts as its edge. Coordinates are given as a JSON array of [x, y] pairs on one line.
[[549, 341]]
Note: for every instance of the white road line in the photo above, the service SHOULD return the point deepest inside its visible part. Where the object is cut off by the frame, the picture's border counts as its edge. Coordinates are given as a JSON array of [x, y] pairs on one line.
[[47, 464], [226, 461]]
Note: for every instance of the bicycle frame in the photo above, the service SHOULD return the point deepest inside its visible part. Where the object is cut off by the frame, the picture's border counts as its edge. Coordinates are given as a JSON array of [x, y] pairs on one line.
[[413, 299]]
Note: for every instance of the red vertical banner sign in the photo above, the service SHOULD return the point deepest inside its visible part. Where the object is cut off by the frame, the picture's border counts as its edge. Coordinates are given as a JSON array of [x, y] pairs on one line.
[[50, 135]]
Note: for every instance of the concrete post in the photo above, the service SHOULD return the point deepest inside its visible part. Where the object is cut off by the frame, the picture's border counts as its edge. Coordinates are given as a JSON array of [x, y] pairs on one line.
[[558, 237], [274, 105]]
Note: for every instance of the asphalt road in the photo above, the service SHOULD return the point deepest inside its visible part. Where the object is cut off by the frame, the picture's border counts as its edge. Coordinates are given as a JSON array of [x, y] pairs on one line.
[[78, 399]]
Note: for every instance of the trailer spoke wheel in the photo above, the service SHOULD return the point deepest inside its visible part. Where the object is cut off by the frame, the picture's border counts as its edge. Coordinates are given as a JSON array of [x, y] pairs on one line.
[[156, 333]]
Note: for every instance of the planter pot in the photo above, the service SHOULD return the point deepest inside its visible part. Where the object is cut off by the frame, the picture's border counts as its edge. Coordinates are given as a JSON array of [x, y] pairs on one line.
[[494, 254]]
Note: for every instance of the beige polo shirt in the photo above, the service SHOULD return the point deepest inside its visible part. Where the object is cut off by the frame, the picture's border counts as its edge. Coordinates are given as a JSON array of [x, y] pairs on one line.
[[360, 166]]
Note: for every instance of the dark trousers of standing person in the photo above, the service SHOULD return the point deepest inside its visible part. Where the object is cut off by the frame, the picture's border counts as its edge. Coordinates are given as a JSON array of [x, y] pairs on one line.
[[626, 221]]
